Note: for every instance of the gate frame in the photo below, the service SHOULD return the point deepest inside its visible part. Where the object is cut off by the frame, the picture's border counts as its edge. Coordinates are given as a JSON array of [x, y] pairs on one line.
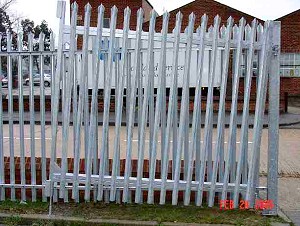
[[273, 129], [273, 78]]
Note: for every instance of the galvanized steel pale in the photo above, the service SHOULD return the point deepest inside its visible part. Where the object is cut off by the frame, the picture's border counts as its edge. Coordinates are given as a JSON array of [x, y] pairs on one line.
[[2, 168]]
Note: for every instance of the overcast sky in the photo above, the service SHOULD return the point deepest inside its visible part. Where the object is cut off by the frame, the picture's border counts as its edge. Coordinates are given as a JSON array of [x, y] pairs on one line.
[[39, 10]]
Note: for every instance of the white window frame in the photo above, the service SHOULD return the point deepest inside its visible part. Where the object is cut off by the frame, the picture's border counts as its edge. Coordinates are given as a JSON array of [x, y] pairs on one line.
[[290, 65]]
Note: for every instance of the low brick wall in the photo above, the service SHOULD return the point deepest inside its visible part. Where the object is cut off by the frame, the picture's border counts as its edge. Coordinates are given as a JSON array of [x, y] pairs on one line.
[[38, 166], [283, 104]]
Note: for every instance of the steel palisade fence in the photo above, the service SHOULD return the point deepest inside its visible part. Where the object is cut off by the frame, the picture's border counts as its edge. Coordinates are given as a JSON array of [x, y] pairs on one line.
[[210, 169]]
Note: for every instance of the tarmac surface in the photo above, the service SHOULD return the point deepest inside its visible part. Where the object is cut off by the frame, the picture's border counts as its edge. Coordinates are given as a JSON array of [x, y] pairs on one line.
[[289, 160], [289, 186]]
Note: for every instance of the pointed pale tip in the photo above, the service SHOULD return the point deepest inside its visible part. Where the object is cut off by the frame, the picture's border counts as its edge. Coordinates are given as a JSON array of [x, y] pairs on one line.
[[204, 17], [140, 12], [179, 15], [210, 29], [269, 22], [153, 13], [114, 8], [254, 22], [242, 21], [192, 16], [260, 26], [230, 20], [101, 8], [127, 13], [166, 15], [153, 16], [74, 6], [87, 7], [217, 19], [127, 10]]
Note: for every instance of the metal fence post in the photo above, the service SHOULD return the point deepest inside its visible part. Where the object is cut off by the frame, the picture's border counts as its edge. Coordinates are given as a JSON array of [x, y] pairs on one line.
[[274, 92]]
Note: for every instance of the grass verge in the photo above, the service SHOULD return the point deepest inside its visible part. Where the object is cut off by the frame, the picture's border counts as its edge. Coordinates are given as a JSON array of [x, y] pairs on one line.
[[158, 213]]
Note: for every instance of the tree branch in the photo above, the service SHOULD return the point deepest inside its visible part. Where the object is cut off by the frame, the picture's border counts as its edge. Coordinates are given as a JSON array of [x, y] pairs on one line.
[[5, 4]]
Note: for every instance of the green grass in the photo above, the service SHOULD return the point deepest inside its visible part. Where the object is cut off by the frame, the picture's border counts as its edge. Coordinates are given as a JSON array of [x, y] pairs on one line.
[[19, 208], [13, 220], [166, 213]]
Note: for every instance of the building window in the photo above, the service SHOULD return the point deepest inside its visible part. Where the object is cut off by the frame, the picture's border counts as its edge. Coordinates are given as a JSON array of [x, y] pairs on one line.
[[255, 67], [106, 22], [290, 65]]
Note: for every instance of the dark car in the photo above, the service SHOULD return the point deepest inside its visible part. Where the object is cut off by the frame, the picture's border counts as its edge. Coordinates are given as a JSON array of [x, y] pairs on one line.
[[14, 80]]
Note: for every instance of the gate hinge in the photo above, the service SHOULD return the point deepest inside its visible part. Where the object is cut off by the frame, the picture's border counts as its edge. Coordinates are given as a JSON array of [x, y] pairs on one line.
[[275, 50]]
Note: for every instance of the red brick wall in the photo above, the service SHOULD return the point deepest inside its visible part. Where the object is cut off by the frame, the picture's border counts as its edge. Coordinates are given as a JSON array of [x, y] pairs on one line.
[[70, 169], [290, 86], [108, 4], [121, 5], [283, 103], [290, 43], [290, 32]]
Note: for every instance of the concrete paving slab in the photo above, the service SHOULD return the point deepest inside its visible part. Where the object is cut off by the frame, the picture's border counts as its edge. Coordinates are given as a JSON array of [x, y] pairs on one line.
[[294, 216], [289, 145]]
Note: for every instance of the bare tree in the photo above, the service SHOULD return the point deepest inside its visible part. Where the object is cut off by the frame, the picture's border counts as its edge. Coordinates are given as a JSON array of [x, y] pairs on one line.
[[5, 4]]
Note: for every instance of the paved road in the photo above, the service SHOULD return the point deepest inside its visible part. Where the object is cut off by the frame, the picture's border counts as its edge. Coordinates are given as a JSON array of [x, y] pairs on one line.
[[289, 160], [36, 89]]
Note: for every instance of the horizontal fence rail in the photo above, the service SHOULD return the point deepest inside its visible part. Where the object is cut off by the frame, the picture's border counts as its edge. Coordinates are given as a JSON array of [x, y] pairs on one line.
[[163, 146]]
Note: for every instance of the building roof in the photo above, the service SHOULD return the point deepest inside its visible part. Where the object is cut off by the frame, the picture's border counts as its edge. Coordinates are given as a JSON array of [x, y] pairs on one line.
[[289, 14], [149, 4], [290, 32]]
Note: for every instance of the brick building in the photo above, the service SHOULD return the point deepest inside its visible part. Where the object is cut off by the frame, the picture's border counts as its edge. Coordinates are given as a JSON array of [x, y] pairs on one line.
[[290, 54], [209, 7], [121, 5], [290, 36]]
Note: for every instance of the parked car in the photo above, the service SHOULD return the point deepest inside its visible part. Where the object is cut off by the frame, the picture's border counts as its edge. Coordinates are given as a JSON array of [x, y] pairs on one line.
[[14, 80], [4, 81], [37, 80]]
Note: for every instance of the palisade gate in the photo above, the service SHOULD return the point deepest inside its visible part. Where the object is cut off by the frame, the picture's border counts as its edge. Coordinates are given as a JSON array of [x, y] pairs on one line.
[[158, 149]]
